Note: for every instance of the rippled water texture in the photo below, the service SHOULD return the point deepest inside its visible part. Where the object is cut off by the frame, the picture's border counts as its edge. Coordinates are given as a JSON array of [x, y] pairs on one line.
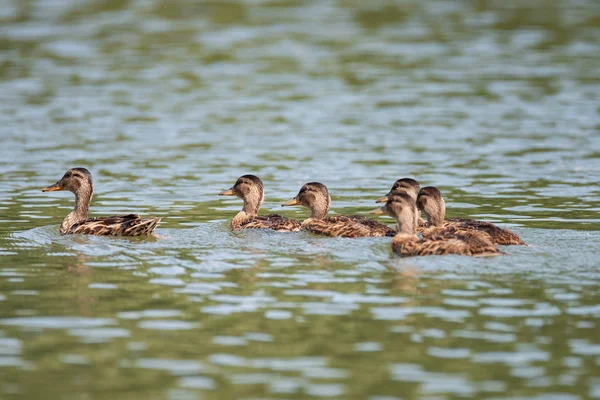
[[167, 102]]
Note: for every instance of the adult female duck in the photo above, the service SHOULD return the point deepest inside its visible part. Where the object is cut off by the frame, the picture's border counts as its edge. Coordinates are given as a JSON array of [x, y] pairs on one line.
[[431, 202], [79, 182], [315, 196], [403, 185], [410, 187], [407, 243], [251, 189]]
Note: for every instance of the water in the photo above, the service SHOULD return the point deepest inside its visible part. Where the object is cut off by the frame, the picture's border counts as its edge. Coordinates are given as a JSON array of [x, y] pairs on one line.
[[167, 103]]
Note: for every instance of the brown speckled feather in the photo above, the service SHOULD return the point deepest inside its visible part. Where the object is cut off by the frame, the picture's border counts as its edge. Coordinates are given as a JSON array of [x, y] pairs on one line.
[[126, 225], [412, 246], [273, 221], [347, 226], [497, 235], [336, 226], [377, 229], [479, 243], [467, 244]]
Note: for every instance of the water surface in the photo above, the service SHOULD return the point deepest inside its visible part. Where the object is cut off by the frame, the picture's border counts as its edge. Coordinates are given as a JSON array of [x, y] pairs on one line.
[[168, 102]]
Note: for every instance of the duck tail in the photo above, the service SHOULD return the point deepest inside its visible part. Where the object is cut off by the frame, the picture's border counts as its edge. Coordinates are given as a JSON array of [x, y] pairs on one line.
[[144, 227]]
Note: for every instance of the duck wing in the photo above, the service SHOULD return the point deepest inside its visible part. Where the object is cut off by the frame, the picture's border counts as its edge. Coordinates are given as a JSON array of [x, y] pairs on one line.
[[477, 246], [123, 225], [421, 225], [499, 235], [377, 228], [275, 222], [479, 242], [430, 247], [336, 226]]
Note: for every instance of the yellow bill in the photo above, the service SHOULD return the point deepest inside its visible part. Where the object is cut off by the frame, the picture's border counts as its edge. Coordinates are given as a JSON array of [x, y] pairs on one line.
[[228, 192], [378, 211], [53, 188], [383, 199], [291, 202]]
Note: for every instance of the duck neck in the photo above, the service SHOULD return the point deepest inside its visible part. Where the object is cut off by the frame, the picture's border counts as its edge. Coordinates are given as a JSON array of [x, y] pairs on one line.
[[83, 197], [406, 224], [416, 217], [252, 202], [320, 208], [436, 214], [407, 228]]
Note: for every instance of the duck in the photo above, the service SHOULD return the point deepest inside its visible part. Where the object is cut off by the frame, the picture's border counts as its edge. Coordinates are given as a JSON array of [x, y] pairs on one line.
[[79, 182], [315, 196], [251, 189], [403, 185], [406, 243], [431, 202], [411, 187]]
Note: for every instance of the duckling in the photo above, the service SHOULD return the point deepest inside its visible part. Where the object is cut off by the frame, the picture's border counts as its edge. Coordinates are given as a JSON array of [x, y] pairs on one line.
[[431, 202], [250, 189], [407, 243], [411, 187], [79, 182], [315, 196]]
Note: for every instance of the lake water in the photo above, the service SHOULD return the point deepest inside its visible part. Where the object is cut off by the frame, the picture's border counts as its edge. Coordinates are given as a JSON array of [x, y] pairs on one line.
[[168, 102]]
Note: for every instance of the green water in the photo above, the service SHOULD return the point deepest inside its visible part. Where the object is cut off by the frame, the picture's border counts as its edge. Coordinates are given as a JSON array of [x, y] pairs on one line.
[[168, 102]]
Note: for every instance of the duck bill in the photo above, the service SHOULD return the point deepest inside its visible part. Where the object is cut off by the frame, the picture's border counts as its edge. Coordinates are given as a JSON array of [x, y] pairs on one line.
[[53, 188], [228, 192], [291, 202], [383, 199], [378, 211]]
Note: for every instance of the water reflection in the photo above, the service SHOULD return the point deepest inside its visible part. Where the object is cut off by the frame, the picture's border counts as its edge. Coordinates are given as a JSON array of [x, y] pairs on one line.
[[271, 327]]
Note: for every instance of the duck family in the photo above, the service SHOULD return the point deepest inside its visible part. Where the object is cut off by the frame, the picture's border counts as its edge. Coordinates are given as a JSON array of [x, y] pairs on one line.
[[404, 202]]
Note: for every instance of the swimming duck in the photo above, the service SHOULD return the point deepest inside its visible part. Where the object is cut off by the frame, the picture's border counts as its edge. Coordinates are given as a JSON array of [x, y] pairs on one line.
[[407, 243], [402, 185], [315, 196], [79, 182], [431, 202], [250, 189], [411, 187]]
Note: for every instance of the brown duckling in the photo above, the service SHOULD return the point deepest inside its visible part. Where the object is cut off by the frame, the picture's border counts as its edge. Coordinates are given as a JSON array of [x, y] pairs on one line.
[[431, 202], [407, 243], [250, 189], [411, 187], [79, 182], [315, 196]]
